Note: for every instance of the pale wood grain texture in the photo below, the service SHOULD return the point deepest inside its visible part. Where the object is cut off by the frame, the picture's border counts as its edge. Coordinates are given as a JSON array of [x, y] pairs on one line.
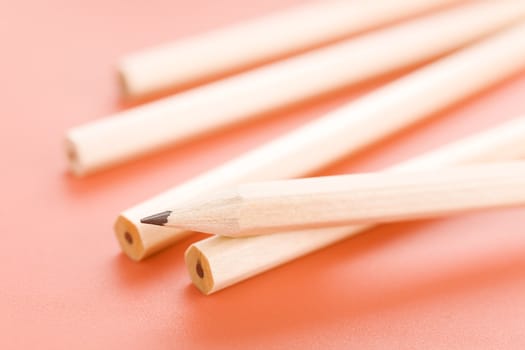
[[130, 134], [250, 42], [218, 262], [342, 132], [289, 205]]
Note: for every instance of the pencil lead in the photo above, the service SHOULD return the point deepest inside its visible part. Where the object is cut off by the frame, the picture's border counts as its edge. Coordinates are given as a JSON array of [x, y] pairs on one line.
[[158, 219]]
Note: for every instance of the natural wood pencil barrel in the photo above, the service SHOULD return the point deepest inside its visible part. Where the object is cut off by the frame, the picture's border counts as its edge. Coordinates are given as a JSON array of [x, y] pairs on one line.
[[342, 132], [328, 201], [218, 262], [163, 123], [251, 42]]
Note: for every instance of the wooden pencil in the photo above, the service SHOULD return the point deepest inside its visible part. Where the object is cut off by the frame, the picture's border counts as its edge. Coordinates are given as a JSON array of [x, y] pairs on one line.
[[218, 262], [329, 201], [252, 42], [343, 132], [148, 128]]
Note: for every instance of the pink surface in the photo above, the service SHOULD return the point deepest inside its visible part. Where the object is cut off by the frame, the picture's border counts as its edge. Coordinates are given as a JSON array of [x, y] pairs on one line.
[[455, 283]]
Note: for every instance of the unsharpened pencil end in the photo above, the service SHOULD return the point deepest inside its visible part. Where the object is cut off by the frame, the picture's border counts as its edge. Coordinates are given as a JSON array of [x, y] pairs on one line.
[[158, 219]]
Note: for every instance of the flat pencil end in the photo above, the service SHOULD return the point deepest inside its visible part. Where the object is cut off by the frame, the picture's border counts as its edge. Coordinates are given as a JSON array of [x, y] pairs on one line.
[[158, 219]]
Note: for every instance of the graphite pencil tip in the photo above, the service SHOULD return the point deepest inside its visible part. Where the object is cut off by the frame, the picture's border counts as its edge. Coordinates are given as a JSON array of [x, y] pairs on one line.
[[158, 219]]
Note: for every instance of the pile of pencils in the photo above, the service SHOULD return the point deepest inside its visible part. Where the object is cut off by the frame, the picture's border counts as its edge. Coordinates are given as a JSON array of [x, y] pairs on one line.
[[259, 217]]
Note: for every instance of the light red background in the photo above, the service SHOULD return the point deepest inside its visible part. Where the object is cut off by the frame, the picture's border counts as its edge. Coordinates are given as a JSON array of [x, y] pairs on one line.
[[455, 283]]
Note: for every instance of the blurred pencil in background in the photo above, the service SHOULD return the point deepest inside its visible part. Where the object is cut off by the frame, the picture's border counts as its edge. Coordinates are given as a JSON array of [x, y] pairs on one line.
[[252, 42], [145, 129], [345, 131], [218, 262]]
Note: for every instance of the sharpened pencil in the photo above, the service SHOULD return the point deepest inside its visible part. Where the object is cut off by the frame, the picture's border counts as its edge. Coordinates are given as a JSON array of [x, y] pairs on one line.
[[288, 205]]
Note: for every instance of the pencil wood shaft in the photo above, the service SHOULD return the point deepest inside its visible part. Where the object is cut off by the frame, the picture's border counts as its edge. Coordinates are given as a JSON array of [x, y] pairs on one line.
[[251, 42], [285, 205], [342, 132], [148, 128], [218, 262]]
